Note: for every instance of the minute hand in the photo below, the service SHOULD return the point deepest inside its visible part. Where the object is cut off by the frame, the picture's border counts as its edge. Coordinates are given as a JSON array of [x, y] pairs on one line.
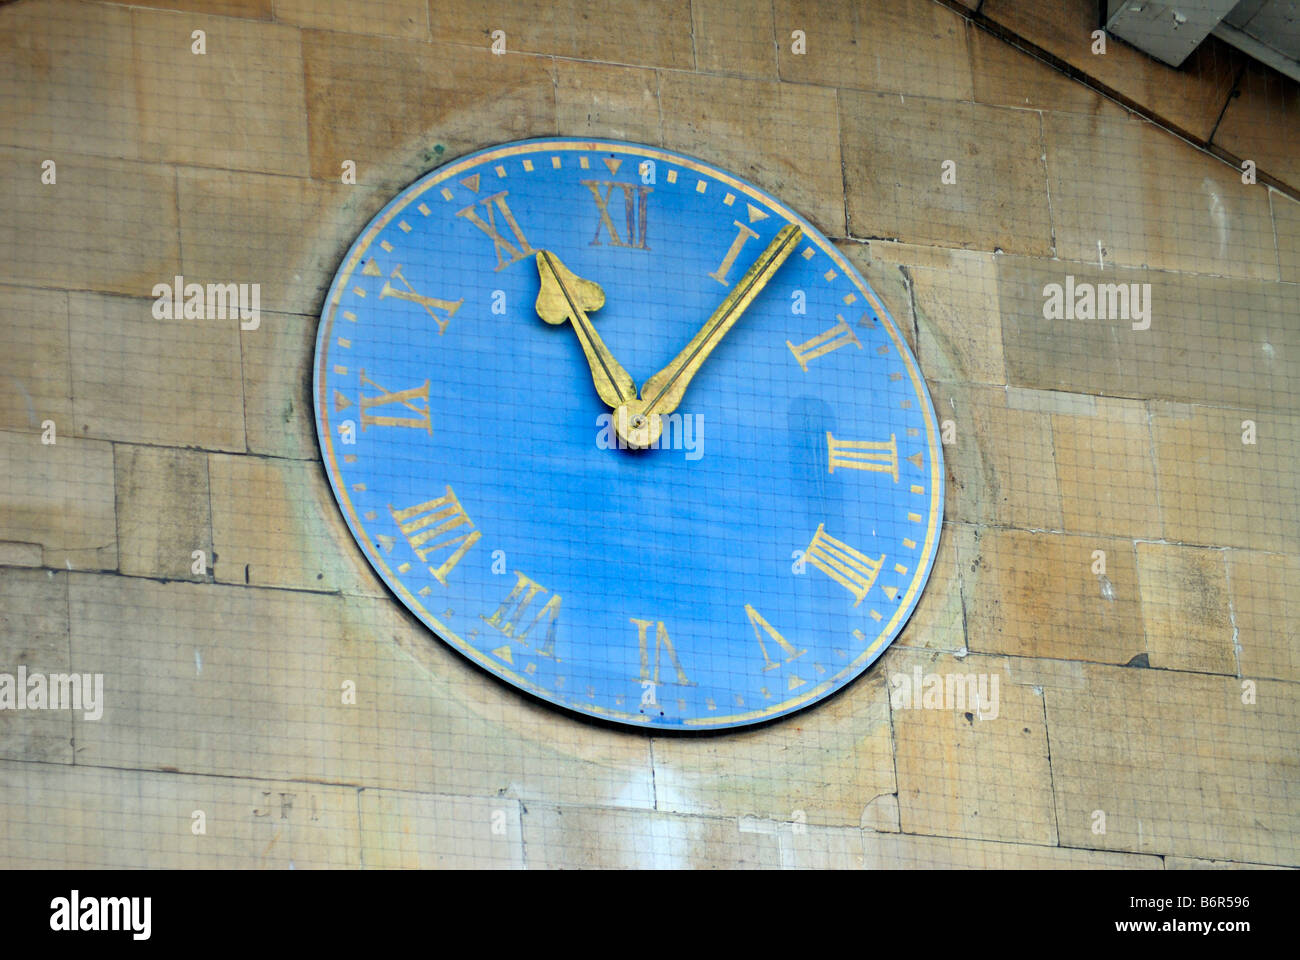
[[663, 392]]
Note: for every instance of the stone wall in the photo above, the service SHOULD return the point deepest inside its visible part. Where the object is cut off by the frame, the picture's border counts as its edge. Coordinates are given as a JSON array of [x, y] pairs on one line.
[[1159, 689]]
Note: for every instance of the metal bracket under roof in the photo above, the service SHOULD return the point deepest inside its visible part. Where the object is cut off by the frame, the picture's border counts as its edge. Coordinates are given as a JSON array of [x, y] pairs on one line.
[[1169, 30]]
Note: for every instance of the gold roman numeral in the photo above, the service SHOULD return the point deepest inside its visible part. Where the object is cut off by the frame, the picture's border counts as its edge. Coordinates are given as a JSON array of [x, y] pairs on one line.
[[882, 457], [511, 613], [822, 344], [507, 252], [431, 304], [850, 568], [662, 643], [761, 626], [635, 199], [743, 236], [406, 398], [434, 526]]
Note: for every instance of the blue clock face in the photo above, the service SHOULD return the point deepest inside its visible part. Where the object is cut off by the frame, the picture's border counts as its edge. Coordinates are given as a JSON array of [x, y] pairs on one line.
[[629, 433]]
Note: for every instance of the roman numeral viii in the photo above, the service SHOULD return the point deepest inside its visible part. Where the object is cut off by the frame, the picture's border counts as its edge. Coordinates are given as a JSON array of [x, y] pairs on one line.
[[436, 526]]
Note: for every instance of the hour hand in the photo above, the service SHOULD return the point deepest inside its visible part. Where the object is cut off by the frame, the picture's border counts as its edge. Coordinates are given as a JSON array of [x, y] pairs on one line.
[[566, 296]]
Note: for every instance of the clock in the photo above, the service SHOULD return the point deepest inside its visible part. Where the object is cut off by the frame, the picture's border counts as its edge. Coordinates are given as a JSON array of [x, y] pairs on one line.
[[629, 433]]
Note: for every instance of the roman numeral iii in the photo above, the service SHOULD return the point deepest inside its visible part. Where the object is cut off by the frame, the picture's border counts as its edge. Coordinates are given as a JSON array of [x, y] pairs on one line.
[[881, 457]]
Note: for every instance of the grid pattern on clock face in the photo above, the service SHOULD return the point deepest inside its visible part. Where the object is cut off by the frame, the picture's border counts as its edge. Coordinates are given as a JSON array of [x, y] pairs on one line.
[[758, 560]]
